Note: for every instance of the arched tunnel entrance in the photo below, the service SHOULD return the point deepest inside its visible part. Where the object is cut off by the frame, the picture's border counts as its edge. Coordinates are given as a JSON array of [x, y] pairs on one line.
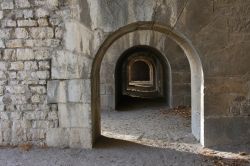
[[152, 34], [148, 88], [142, 78]]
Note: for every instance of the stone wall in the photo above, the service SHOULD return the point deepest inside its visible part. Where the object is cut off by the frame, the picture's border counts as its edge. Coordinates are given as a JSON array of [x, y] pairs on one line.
[[48, 46], [30, 34]]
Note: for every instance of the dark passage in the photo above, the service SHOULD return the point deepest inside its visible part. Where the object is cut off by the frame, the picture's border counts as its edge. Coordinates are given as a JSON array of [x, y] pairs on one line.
[[140, 71], [142, 79]]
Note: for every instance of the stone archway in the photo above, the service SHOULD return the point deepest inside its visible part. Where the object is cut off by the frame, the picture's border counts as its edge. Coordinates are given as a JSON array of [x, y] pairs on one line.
[[197, 80]]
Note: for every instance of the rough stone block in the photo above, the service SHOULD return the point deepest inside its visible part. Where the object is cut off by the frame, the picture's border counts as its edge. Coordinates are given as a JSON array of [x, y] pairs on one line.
[[59, 32], [74, 90], [35, 115], [21, 33], [7, 4], [12, 75], [221, 104], [1, 14], [24, 75], [9, 23], [5, 33], [53, 115], [22, 4], [42, 75], [74, 115], [1, 100], [41, 124], [52, 3], [15, 115], [15, 89], [56, 91], [16, 66], [27, 13], [80, 138], [2, 108], [2, 45], [27, 23], [3, 82], [1, 137], [25, 54], [9, 54], [4, 115], [15, 43], [226, 130], [42, 54], [3, 66], [41, 12], [42, 33], [6, 135], [55, 21], [18, 133], [43, 22], [30, 65], [57, 137], [66, 65], [18, 99], [1, 90], [5, 124], [77, 90], [37, 134], [42, 43], [38, 89], [78, 37], [44, 65], [2, 75], [35, 99]]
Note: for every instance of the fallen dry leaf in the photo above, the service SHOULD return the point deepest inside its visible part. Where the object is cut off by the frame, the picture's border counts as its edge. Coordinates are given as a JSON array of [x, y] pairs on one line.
[[25, 147]]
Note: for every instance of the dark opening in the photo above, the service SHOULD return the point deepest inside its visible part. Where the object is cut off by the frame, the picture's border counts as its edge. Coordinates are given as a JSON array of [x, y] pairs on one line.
[[140, 71], [142, 95]]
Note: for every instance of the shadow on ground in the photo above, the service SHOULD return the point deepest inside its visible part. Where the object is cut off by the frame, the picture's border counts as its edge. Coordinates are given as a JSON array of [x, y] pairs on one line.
[[111, 152], [168, 156]]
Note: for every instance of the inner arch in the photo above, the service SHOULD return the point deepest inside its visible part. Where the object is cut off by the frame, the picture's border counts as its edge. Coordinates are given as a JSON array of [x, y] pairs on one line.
[[154, 90]]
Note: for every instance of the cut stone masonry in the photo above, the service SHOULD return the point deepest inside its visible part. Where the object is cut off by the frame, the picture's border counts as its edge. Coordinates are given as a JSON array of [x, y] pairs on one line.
[[57, 63]]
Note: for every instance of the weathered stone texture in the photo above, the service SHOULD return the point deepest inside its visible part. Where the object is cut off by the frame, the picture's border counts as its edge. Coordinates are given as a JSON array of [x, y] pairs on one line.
[[27, 43], [47, 48]]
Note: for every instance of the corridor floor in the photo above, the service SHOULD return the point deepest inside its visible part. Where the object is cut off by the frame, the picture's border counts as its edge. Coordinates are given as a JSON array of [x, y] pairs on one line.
[[156, 126], [141, 137]]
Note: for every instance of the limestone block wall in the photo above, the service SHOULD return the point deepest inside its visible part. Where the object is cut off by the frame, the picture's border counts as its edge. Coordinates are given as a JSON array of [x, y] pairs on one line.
[[48, 88], [30, 34]]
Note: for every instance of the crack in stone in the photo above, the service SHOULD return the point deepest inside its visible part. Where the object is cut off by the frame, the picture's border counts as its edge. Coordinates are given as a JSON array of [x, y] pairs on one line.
[[179, 16]]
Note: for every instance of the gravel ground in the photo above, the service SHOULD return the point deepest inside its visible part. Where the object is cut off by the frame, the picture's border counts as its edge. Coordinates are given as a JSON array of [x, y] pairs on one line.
[[145, 137], [156, 127]]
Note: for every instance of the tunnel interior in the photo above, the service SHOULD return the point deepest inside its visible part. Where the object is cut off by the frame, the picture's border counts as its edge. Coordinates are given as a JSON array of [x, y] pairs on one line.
[[140, 71], [142, 79]]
